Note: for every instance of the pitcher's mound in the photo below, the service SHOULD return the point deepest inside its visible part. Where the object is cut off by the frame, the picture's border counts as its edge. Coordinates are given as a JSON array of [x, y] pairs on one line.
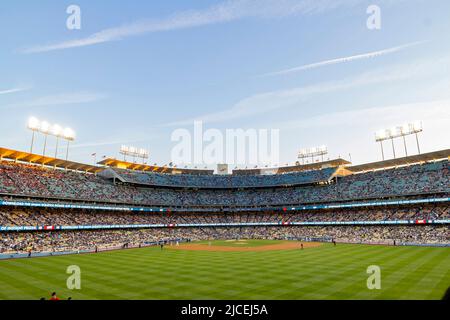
[[287, 245]]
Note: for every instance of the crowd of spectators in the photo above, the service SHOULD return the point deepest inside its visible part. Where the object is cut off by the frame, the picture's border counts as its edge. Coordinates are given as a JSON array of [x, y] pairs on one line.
[[92, 240], [36, 181], [63, 217], [208, 191], [226, 181]]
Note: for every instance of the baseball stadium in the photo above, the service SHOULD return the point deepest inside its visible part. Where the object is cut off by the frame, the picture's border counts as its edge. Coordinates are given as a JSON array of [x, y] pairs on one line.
[[308, 231], [189, 156]]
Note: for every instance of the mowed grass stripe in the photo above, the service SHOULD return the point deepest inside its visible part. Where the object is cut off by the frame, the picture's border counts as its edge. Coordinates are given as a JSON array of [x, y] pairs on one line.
[[54, 277], [433, 272], [393, 257], [340, 273], [398, 278], [349, 279], [284, 283], [417, 271], [437, 291], [324, 272]]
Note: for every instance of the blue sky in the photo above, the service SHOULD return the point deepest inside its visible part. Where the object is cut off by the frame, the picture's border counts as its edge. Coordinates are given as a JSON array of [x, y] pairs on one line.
[[137, 71]]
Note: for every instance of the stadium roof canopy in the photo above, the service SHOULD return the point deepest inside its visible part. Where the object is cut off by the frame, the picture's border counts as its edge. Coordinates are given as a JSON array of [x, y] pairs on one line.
[[46, 161], [420, 158], [114, 163], [299, 167]]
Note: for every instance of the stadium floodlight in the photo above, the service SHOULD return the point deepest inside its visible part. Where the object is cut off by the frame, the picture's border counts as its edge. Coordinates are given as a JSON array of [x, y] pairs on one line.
[[33, 124], [47, 129], [44, 127], [417, 126], [56, 130], [134, 152], [405, 128], [380, 135], [402, 131], [69, 134], [312, 153]]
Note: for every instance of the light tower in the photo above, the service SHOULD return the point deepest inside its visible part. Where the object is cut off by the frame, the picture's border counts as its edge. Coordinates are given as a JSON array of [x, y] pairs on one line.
[[399, 132], [46, 129]]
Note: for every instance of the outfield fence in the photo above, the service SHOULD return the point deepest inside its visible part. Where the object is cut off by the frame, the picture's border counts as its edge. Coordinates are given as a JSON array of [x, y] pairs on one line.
[[7, 256]]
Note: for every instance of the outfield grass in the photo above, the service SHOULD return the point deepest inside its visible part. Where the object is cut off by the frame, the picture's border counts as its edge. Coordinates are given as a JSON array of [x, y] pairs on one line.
[[324, 272], [240, 243]]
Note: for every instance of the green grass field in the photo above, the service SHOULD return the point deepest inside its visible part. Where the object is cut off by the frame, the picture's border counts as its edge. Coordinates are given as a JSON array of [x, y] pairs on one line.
[[324, 272], [240, 243]]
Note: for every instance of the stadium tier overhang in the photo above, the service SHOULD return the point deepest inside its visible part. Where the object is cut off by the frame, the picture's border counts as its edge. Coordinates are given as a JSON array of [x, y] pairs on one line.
[[114, 163], [296, 168], [410, 160], [31, 158]]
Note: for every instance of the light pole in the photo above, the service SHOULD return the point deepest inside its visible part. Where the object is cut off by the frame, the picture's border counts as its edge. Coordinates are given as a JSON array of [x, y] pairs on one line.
[[416, 128], [45, 144], [393, 133], [417, 141], [404, 143], [33, 125], [393, 147], [67, 151], [56, 149], [382, 150], [380, 136], [45, 129], [56, 131], [397, 132], [404, 131], [69, 135], [32, 142]]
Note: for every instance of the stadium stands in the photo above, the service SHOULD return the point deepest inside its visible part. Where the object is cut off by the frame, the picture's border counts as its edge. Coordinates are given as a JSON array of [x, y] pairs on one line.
[[63, 217], [28, 180], [226, 181], [207, 206], [88, 240]]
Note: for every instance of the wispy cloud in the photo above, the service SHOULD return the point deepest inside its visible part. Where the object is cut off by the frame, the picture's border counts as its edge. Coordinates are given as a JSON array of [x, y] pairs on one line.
[[59, 100], [435, 111], [287, 98], [333, 128], [367, 55], [132, 137], [104, 143], [226, 11], [13, 90]]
